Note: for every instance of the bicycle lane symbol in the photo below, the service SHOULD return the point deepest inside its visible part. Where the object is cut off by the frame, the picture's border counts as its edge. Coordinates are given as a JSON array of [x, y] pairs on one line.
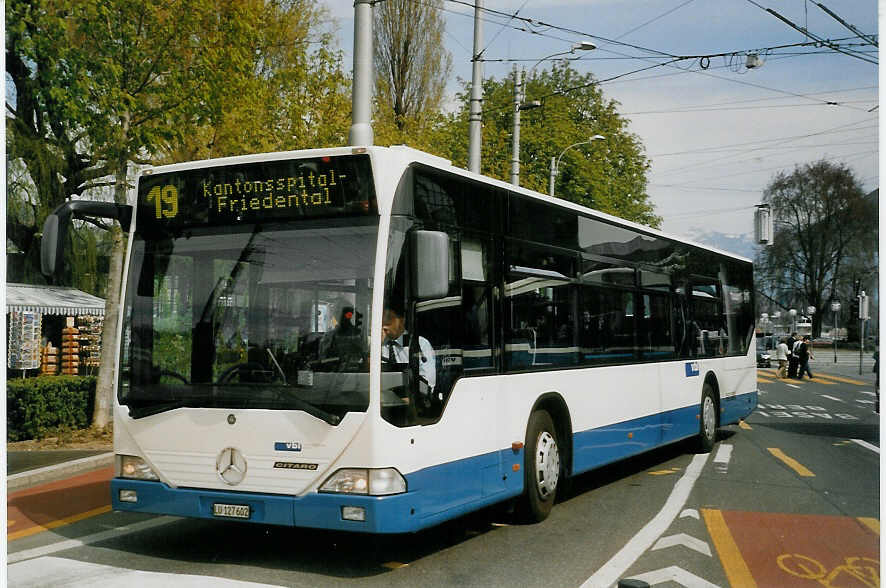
[[854, 571], [787, 549]]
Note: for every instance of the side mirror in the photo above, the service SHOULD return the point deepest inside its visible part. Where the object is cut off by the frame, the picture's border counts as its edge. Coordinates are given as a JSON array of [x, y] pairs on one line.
[[55, 228], [430, 264], [51, 251]]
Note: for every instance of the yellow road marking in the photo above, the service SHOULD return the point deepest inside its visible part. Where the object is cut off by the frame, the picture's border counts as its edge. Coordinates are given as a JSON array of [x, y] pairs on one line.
[[58, 523], [791, 462], [871, 523], [843, 380], [745, 426], [734, 565], [765, 374], [394, 565], [664, 472]]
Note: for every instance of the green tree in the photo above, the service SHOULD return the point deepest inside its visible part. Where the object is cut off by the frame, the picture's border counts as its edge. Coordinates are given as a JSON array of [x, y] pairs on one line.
[[825, 238], [608, 175], [289, 90], [412, 69]]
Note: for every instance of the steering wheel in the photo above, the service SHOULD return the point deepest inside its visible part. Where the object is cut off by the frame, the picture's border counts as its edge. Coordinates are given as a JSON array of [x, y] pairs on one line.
[[249, 366], [176, 375]]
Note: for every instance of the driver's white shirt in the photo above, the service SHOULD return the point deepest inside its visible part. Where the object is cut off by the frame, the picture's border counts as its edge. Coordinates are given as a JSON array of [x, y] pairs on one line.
[[427, 367]]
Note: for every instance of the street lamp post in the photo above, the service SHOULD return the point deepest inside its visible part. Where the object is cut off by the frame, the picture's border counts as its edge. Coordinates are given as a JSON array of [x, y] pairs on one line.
[[835, 308], [520, 106], [555, 162], [793, 314]]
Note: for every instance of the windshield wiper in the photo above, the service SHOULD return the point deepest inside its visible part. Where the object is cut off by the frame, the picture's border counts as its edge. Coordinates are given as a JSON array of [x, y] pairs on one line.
[[315, 411], [138, 412]]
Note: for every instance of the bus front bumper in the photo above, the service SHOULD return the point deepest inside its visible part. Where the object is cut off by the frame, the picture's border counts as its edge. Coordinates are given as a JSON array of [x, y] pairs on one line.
[[379, 514]]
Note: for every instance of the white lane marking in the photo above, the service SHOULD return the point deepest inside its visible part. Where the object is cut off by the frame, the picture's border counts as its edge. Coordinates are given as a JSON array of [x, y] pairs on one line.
[[724, 454], [673, 574], [685, 540], [867, 445], [864, 401], [869, 393], [612, 570], [793, 386], [689, 512], [57, 571], [87, 540], [831, 398]]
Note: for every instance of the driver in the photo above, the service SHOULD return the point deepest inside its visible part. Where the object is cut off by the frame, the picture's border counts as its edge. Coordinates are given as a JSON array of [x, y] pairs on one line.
[[395, 349]]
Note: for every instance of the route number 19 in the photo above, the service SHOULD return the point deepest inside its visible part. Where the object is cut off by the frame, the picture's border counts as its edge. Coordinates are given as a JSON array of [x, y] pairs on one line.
[[165, 200]]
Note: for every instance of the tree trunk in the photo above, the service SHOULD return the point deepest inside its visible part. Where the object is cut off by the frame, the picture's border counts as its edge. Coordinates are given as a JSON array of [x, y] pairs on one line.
[[107, 373]]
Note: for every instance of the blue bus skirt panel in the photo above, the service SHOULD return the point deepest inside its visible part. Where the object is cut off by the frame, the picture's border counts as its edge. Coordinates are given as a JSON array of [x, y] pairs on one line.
[[737, 408], [435, 494]]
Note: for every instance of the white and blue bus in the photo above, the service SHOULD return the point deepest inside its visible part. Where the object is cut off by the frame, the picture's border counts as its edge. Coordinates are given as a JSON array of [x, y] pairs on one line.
[[540, 340]]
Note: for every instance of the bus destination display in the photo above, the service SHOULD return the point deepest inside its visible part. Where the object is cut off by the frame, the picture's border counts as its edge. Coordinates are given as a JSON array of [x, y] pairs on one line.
[[257, 192]]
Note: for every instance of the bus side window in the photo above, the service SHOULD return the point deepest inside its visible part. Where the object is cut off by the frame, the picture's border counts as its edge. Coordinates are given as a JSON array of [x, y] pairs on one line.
[[477, 303]]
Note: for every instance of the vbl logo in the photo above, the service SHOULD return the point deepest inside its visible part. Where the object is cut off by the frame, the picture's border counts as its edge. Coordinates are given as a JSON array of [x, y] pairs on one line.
[[287, 446]]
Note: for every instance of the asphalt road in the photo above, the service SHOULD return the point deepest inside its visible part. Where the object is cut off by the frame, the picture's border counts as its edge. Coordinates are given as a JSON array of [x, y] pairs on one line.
[[789, 498]]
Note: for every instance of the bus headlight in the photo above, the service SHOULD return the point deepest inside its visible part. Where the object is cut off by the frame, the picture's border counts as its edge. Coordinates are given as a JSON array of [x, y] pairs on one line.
[[379, 482], [135, 468]]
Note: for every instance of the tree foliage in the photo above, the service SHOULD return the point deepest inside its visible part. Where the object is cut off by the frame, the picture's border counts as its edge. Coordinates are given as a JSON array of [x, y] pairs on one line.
[[825, 238], [103, 85], [412, 69], [608, 175]]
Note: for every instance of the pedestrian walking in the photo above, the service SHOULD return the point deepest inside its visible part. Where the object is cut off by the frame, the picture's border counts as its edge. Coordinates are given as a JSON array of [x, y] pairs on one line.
[[782, 352], [793, 358], [804, 353]]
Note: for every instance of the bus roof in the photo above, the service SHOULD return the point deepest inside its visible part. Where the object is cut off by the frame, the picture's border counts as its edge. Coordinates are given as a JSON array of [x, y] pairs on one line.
[[410, 155], [443, 164]]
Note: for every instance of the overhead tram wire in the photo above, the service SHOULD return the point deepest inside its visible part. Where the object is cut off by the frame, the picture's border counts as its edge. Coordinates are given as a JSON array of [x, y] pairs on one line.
[[674, 58], [844, 158], [498, 22], [649, 22], [672, 63], [539, 23], [775, 142], [806, 32], [503, 26], [836, 17]]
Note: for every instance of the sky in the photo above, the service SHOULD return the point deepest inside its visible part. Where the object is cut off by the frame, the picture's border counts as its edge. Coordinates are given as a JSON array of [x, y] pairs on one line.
[[715, 136]]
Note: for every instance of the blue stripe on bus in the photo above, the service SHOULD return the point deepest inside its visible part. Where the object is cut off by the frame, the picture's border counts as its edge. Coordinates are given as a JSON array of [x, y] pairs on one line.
[[436, 493]]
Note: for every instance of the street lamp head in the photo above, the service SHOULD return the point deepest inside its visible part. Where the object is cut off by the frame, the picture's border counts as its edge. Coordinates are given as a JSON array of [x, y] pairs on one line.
[[584, 46], [597, 138], [530, 105]]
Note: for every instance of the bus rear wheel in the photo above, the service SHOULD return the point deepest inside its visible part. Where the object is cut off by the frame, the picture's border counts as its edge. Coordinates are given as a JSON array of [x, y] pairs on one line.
[[541, 468], [707, 433]]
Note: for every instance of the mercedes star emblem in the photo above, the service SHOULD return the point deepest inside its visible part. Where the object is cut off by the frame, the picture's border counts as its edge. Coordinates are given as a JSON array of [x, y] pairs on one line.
[[231, 466]]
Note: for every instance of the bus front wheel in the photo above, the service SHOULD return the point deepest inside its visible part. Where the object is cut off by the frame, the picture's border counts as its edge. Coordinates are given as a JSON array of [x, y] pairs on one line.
[[542, 468], [707, 433]]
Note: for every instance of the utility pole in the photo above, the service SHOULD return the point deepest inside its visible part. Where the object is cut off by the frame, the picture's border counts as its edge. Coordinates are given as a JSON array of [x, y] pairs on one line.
[[361, 96], [476, 124], [515, 143]]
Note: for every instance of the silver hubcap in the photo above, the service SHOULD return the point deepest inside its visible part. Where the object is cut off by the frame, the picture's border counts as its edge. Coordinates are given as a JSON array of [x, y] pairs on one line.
[[709, 417], [547, 464]]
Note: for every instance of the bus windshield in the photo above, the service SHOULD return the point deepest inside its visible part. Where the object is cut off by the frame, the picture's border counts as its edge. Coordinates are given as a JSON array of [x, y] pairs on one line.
[[272, 316]]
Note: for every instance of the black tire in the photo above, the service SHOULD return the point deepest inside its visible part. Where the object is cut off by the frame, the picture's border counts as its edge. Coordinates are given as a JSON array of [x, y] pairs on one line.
[[708, 419], [542, 468]]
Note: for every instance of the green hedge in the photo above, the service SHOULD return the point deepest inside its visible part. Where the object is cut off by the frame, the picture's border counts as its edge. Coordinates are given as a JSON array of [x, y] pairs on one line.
[[38, 406]]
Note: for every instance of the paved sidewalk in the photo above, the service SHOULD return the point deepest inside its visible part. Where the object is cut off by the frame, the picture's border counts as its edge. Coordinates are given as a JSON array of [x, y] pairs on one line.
[[26, 469]]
